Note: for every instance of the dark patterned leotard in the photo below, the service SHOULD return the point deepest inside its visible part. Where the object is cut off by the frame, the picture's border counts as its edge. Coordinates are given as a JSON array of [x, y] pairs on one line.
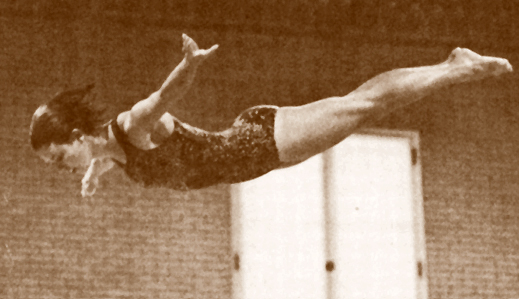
[[192, 158]]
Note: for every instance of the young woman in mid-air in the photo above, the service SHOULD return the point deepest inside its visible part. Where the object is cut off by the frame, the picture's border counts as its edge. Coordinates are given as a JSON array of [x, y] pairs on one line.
[[157, 150]]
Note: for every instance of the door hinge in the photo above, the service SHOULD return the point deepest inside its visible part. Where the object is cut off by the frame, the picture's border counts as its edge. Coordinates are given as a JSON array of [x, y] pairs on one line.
[[414, 156], [236, 262]]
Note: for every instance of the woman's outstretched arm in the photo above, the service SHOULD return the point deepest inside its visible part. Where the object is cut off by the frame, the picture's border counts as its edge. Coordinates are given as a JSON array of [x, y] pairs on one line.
[[147, 112]]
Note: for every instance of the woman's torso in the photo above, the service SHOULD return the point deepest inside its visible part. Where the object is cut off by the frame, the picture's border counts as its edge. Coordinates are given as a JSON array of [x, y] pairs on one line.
[[182, 157]]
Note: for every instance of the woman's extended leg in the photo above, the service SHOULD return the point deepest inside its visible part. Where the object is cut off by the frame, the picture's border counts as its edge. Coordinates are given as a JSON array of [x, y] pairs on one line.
[[304, 131]]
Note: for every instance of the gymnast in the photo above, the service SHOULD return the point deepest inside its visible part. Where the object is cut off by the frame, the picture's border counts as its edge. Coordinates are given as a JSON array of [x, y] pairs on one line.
[[155, 149]]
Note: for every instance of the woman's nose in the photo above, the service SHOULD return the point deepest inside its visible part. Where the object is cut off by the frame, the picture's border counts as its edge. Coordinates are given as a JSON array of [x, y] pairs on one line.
[[69, 161], [61, 165]]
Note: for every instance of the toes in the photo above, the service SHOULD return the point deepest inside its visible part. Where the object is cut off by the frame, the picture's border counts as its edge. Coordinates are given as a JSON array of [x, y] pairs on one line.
[[505, 66], [497, 65], [508, 66]]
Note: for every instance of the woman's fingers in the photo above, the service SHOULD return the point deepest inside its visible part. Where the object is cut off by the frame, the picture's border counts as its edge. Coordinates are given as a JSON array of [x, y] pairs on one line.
[[89, 186], [188, 46], [208, 52]]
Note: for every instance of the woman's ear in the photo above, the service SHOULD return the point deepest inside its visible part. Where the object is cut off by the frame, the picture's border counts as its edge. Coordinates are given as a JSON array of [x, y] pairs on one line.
[[76, 135]]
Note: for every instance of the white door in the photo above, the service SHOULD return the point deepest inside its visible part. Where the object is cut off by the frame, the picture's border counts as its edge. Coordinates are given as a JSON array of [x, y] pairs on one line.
[[373, 209], [355, 211], [279, 234]]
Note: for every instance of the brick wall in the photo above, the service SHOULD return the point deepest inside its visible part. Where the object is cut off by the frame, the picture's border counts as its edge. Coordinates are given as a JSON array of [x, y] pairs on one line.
[[134, 243]]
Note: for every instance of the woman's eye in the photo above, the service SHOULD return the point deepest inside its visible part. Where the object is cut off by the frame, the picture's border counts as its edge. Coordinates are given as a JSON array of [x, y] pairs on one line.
[[59, 158]]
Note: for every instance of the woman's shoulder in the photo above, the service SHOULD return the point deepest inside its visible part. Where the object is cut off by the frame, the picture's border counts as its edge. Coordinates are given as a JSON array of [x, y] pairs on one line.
[[144, 138], [124, 124], [117, 126], [122, 119]]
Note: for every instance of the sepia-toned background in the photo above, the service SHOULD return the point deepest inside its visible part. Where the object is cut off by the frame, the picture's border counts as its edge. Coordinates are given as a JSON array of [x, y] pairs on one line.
[[130, 242]]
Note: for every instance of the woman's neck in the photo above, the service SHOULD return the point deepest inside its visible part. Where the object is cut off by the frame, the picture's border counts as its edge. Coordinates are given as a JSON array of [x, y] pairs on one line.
[[105, 146]]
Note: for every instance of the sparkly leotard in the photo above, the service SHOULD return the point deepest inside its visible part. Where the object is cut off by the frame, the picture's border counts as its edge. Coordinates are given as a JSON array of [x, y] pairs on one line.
[[192, 158]]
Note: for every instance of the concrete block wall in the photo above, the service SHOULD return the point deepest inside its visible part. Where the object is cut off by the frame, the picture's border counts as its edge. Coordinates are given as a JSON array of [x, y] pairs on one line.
[[127, 242], [130, 242]]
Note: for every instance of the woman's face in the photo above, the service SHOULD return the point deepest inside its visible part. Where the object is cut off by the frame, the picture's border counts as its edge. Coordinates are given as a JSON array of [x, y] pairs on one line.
[[72, 156]]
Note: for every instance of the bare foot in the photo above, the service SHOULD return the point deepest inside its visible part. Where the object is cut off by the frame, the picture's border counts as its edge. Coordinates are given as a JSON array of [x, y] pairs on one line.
[[193, 53], [477, 66]]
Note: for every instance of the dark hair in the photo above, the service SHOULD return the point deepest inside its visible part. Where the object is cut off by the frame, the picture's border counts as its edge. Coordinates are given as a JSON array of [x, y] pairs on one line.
[[54, 121]]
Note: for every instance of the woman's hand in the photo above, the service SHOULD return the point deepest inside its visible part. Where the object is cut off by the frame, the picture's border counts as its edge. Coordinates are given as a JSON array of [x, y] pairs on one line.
[[90, 181], [89, 186], [193, 53]]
